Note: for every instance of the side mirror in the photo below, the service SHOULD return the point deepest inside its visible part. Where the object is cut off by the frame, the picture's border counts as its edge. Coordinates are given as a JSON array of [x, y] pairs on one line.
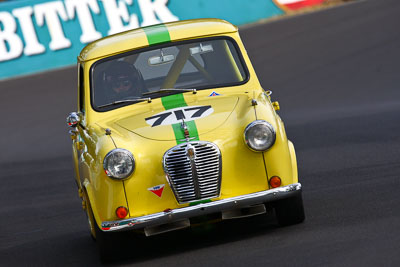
[[73, 119]]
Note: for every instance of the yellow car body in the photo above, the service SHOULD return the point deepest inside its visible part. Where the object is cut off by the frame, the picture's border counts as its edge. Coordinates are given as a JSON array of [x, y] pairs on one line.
[[147, 193]]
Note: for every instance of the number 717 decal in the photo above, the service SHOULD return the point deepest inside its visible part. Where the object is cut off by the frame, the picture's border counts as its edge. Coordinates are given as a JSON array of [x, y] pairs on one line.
[[176, 115]]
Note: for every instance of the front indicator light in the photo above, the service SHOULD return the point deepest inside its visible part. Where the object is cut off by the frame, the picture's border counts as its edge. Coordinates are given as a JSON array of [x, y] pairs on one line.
[[121, 212], [275, 182]]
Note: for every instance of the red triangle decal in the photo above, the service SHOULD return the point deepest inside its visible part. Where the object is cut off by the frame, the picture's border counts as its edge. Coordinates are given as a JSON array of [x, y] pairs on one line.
[[158, 190]]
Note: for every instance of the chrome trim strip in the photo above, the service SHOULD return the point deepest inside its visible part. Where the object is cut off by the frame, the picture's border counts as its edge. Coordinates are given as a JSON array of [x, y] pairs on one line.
[[202, 209]]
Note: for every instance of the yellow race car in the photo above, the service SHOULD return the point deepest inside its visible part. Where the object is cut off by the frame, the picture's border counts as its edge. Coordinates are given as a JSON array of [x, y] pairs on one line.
[[173, 125]]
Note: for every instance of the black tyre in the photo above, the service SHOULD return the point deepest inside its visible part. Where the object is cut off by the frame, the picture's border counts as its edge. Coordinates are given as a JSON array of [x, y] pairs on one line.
[[107, 244], [290, 211]]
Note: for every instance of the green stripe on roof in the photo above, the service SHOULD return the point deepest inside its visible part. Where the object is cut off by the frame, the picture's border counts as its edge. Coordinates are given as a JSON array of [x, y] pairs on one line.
[[176, 101], [157, 34]]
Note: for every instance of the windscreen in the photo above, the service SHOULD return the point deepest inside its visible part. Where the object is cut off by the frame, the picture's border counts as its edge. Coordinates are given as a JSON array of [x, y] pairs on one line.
[[148, 73]]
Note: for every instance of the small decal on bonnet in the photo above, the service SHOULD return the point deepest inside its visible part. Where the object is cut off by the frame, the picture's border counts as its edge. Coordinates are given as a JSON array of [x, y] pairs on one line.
[[158, 189], [214, 94]]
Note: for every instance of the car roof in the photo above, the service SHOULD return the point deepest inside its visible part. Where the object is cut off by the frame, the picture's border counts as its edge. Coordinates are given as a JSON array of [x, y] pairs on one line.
[[138, 38]]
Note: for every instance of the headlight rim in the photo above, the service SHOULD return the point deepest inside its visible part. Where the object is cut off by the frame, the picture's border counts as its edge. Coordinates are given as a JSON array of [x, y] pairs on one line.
[[130, 155], [254, 123]]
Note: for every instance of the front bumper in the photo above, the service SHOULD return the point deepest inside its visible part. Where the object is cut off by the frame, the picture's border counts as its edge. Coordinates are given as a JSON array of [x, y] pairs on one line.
[[203, 209]]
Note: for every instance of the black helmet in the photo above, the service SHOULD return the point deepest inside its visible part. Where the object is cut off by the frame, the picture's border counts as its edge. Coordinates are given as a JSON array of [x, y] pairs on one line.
[[119, 71]]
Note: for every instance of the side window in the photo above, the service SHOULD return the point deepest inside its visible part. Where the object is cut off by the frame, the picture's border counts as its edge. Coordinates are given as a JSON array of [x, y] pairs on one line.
[[81, 89]]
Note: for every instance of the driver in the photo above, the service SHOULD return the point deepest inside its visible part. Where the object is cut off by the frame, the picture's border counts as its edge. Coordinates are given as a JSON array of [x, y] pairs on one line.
[[123, 80]]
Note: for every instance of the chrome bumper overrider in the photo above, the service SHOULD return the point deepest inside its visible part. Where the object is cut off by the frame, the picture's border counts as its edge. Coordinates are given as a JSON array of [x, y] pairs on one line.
[[202, 209]]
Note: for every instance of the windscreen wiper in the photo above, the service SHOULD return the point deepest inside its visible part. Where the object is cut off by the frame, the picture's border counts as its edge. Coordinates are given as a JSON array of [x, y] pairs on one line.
[[132, 100], [167, 90]]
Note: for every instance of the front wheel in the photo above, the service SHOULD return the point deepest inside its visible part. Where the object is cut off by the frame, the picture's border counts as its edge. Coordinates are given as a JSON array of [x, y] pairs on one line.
[[106, 242], [290, 211]]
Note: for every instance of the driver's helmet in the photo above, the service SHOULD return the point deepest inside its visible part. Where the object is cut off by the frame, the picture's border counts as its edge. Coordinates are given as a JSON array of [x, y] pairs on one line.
[[123, 80]]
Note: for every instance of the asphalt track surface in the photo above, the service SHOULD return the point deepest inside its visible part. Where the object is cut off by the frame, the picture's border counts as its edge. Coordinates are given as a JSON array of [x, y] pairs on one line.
[[336, 76]]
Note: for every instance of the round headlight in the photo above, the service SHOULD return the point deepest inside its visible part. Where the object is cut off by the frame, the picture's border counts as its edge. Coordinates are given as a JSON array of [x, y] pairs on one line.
[[119, 163], [259, 135]]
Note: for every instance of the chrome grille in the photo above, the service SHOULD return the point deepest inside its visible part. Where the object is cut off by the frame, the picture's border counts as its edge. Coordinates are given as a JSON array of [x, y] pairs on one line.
[[193, 177]]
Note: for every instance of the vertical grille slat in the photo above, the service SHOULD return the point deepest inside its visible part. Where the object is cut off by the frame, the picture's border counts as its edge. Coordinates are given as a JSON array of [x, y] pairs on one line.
[[196, 178]]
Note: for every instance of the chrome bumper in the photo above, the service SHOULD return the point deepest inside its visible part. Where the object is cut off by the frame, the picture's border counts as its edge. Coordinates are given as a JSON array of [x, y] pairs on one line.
[[202, 209]]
